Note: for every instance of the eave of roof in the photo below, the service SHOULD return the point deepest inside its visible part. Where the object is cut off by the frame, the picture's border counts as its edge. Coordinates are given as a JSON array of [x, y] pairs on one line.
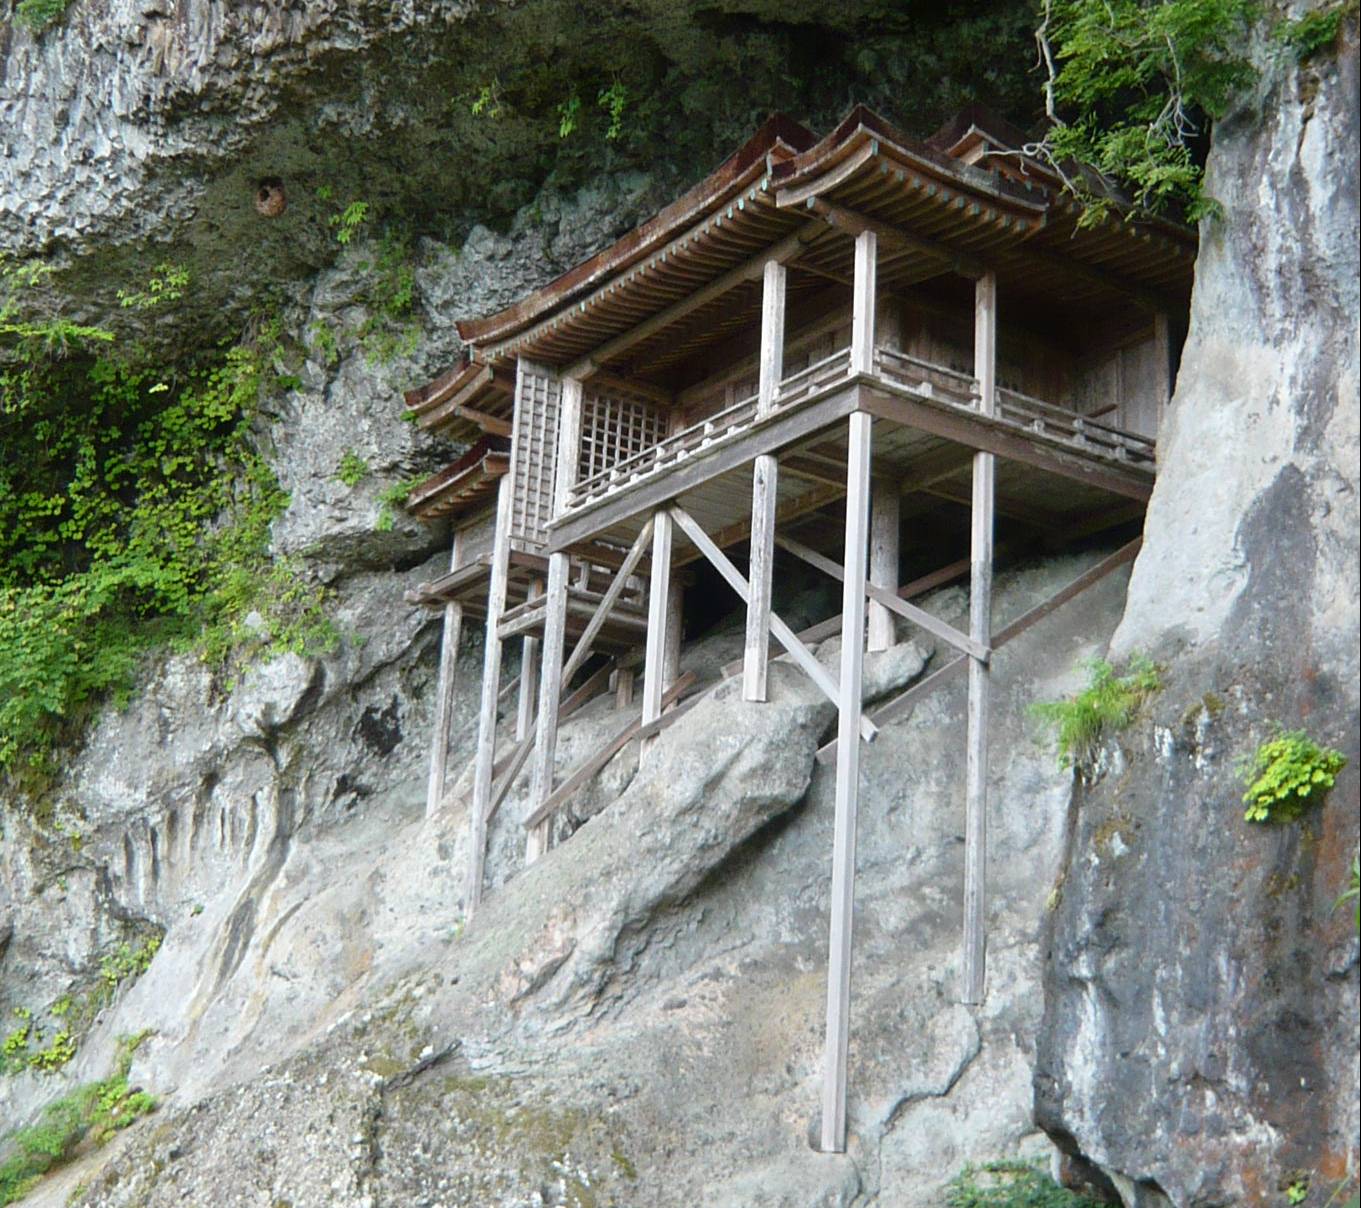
[[777, 137]]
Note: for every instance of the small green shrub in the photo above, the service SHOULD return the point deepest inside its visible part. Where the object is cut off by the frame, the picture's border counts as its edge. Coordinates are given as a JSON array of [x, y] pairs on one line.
[[1010, 1184], [1287, 774], [1315, 30], [96, 1110], [37, 15], [391, 498], [352, 470], [349, 220], [1107, 703]]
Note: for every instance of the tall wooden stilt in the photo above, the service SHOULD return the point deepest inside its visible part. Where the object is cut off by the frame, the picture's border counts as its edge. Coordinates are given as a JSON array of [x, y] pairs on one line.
[[444, 708], [566, 459], [550, 695], [980, 629], [764, 488], [884, 509], [671, 656], [485, 758], [836, 1046], [659, 590], [529, 675]]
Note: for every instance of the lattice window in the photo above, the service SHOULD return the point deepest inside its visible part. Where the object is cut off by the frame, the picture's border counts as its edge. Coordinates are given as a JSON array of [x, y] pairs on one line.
[[537, 401], [614, 426]]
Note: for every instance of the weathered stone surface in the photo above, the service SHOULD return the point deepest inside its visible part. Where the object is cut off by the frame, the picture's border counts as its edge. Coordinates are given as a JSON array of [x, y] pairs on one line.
[[641, 1011], [1199, 1042]]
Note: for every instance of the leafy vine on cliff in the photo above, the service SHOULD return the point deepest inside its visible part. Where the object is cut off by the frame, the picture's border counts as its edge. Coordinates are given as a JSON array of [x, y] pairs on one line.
[[134, 510]]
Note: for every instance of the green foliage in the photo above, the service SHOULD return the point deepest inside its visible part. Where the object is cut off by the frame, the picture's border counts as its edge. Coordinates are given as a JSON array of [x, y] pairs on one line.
[[95, 1111], [23, 1049], [569, 116], [1297, 1191], [1010, 1184], [167, 284], [614, 101], [1132, 87], [1287, 774], [1315, 30], [1107, 703], [389, 499], [134, 511], [487, 102], [349, 220], [1353, 891], [352, 470], [37, 15]]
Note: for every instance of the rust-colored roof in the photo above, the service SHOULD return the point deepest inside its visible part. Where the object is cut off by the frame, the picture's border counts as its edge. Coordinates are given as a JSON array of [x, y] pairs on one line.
[[783, 186], [779, 136], [462, 484]]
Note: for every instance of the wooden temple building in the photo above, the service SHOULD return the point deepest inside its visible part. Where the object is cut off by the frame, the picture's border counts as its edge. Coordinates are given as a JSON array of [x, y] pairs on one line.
[[829, 336]]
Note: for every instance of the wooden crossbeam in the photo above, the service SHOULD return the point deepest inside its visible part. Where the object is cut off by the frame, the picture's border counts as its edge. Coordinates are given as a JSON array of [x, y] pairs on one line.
[[783, 634], [854, 223], [581, 652], [890, 600], [635, 729], [904, 702]]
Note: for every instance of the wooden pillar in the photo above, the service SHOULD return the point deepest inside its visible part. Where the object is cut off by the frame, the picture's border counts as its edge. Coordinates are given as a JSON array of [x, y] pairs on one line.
[[485, 759], [836, 1044], [623, 688], [444, 708], [980, 629], [658, 599], [444, 693], [568, 455], [529, 675], [862, 303], [884, 509], [675, 611], [764, 489], [550, 695], [1162, 341]]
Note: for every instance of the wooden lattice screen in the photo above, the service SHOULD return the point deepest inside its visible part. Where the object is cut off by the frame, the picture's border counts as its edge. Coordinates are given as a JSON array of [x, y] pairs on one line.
[[615, 425], [538, 396]]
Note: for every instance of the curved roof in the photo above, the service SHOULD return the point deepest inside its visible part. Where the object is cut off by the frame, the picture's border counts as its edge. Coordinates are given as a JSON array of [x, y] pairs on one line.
[[964, 199]]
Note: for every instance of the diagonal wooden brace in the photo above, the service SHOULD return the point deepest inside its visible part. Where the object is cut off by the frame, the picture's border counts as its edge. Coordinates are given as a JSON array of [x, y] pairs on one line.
[[891, 601], [786, 636]]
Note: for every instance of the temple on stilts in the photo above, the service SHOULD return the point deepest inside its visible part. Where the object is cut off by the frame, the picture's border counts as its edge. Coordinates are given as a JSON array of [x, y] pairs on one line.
[[823, 345]]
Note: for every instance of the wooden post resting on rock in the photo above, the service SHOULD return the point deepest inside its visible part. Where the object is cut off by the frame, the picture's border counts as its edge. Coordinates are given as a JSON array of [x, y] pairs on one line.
[[980, 629], [444, 696], [485, 758], [836, 1045]]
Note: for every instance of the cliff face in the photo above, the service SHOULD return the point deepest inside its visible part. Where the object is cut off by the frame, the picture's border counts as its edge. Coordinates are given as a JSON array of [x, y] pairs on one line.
[[1199, 1041], [637, 1019]]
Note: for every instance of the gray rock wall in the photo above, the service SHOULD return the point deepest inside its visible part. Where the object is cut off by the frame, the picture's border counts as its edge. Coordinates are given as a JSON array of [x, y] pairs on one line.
[[1200, 1033]]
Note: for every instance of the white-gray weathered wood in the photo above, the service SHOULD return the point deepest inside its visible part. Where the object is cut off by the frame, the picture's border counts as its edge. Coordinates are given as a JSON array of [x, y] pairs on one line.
[[623, 688], [485, 758], [659, 588], [675, 618], [974, 968], [787, 638], [772, 336], [837, 1040], [765, 472], [884, 517], [862, 302], [569, 444], [891, 601], [529, 675], [550, 697], [444, 708]]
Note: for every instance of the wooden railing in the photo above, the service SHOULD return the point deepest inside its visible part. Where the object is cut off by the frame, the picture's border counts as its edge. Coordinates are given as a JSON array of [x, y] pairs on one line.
[[923, 378]]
